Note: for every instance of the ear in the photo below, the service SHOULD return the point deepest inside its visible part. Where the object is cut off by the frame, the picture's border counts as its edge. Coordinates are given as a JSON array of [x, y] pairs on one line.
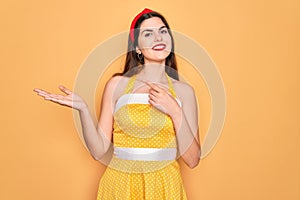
[[137, 49]]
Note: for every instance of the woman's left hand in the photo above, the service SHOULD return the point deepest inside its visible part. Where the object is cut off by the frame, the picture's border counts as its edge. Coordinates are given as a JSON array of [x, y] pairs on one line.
[[160, 98]]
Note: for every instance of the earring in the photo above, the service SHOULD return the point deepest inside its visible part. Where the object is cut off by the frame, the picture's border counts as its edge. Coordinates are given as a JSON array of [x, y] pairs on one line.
[[140, 56]]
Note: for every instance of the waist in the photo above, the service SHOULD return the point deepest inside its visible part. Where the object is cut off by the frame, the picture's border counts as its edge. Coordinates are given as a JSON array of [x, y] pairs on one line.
[[145, 154]]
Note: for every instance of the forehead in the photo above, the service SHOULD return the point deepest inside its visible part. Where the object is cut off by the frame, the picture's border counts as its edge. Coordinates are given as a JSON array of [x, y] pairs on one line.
[[153, 22]]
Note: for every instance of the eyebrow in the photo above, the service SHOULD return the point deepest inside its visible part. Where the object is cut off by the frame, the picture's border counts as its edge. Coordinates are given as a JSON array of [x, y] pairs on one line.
[[152, 30]]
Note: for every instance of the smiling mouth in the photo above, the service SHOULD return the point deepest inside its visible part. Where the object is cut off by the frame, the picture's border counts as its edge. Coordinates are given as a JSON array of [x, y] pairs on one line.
[[159, 47]]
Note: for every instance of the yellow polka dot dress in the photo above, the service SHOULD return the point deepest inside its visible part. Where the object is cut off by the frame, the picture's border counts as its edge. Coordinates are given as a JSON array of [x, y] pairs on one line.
[[144, 165]]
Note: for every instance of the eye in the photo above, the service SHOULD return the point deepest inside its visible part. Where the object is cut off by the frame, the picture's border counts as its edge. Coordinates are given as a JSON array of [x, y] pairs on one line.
[[148, 34], [164, 31]]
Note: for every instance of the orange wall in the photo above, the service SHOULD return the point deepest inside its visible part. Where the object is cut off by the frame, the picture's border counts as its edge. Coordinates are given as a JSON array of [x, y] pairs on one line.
[[255, 45]]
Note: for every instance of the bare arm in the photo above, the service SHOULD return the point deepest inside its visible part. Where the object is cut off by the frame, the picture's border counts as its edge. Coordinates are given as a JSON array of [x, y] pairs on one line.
[[97, 139], [185, 120]]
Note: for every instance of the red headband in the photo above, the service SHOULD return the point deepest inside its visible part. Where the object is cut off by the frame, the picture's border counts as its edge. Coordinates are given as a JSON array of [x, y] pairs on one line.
[[145, 11]]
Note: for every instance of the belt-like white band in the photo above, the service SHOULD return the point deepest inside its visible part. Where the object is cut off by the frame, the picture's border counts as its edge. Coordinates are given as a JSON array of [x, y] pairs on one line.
[[147, 154]]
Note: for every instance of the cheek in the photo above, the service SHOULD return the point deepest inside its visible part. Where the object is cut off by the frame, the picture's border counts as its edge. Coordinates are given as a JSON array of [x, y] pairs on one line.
[[145, 43], [169, 43], [168, 39]]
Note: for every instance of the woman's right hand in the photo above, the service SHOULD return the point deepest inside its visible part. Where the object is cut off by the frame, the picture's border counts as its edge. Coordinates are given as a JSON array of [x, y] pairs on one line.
[[70, 99]]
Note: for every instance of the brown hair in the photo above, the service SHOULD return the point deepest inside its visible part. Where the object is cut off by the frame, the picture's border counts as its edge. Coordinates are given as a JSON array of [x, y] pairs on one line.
[[132, 61]]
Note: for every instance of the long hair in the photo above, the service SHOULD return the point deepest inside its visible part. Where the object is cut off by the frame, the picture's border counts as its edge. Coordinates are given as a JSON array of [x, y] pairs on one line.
[[132, 60]]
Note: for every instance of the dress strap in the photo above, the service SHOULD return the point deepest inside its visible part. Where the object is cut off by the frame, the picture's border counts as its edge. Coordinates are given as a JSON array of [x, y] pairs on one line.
[[131, 81], [130, 84], [171, 87]]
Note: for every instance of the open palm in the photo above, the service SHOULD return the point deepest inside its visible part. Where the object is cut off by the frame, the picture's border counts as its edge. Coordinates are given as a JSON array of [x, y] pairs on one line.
[[70, 99]]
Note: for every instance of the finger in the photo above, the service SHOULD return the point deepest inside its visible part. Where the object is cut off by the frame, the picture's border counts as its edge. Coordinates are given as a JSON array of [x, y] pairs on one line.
[[59, 101], [159, 92], [52, 99], [55, 96], [60, 97], [155, 90], [42, 94], [153, 98], [153, 86], [158, 106], [158, 88], [65, 90], [40, 91], [47, 94], [153, 103], [147, 83]]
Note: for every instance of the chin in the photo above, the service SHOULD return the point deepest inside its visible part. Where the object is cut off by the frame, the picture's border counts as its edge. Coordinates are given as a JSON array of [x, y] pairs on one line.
[[161, 56], [158, 59]]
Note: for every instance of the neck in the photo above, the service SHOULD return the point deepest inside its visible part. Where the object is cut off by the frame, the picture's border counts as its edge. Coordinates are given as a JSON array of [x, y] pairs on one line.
[[153, 72]]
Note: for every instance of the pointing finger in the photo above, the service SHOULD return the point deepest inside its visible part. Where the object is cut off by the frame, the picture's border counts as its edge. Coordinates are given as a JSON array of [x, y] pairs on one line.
[[155, 87]]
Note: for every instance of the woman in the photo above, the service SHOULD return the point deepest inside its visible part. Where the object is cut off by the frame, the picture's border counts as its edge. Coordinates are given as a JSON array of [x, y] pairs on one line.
[[148, 115]]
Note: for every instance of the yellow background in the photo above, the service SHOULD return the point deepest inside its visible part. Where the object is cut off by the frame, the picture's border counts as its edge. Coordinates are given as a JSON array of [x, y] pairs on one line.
[[255, 45]]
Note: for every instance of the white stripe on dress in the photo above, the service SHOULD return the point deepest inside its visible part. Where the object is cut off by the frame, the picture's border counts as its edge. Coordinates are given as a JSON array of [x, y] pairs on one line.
[[135, 98], [145, 154]]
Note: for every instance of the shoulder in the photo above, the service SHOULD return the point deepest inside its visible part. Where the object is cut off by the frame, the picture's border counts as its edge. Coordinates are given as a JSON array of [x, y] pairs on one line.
[[186, 95], [184, 91], [115, 86], [115, 81], [183, 88]]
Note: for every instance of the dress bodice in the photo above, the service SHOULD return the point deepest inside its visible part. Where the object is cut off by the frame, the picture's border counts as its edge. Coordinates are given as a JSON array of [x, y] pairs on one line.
[[139, 124]]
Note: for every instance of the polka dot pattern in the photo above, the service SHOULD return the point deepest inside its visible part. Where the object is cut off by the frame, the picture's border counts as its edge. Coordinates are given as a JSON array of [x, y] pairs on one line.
[[133, 132], [142, 126]]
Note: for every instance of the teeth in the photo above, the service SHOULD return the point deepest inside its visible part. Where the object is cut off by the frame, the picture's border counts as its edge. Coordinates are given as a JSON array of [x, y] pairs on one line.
[[159, 47]]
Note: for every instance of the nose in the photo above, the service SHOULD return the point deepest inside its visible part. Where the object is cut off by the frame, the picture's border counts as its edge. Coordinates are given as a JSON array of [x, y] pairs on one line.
[[158, 36]]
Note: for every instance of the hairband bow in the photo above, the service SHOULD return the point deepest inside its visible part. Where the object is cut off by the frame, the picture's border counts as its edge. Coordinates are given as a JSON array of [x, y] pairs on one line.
[[145, 11]]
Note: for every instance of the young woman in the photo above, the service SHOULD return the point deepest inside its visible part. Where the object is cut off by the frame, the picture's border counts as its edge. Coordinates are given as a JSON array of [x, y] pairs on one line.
[[148, 116]]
